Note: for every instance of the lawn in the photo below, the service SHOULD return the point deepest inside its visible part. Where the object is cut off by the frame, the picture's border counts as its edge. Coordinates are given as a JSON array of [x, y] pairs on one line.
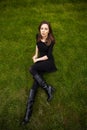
[[19, 20]]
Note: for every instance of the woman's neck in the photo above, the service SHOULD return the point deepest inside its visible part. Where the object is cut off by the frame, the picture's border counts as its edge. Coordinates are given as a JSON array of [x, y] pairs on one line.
[[44, 39]]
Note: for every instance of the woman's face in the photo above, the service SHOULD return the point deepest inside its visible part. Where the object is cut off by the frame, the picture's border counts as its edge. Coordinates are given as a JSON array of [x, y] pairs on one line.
[[44, 30]]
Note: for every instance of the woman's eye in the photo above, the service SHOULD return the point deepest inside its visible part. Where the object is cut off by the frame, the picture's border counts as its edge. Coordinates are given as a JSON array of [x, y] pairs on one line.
[[46, 29]]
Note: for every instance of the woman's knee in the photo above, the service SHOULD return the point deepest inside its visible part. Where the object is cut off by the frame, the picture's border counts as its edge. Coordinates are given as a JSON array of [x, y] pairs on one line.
[[32, 70]]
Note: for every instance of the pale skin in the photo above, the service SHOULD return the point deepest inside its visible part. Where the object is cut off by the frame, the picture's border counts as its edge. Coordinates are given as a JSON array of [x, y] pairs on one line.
[[44, 30]]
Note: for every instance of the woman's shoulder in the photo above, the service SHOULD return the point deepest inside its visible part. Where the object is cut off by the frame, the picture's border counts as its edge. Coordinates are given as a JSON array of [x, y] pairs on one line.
[[38, 42], [52, 43]]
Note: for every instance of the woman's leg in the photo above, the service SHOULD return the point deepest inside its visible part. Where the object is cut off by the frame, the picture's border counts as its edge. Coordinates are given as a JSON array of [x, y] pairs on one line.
[[30, 102], [35, 70]]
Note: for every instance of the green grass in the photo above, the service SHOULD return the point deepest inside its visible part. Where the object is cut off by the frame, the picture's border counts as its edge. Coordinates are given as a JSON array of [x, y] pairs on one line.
[[19, 21]]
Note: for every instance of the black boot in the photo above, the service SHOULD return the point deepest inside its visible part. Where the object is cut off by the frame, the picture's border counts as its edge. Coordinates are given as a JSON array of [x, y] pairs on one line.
[[49, 89], [29, 107]]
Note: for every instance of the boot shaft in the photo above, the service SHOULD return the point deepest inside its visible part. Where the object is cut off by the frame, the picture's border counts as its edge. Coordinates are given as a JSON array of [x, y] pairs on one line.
[[41, 82], [48, 89], [31, 95]]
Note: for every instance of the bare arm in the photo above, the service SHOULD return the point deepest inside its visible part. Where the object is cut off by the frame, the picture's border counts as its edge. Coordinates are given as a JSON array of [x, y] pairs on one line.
[[35, 57], [49, 55], [42, 58], [36, 53]]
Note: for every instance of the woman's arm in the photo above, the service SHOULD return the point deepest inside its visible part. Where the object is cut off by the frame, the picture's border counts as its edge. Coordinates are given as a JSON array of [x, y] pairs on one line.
[[48, 56], [35, 57], [36, 53], [41, 58]]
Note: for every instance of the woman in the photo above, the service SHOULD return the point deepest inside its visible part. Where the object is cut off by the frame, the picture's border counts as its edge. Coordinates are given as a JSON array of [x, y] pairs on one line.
[[43, 62]]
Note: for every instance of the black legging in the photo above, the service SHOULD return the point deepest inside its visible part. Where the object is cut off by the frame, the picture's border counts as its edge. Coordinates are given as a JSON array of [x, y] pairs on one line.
[[42, 67], [33, 70], [37, 68]]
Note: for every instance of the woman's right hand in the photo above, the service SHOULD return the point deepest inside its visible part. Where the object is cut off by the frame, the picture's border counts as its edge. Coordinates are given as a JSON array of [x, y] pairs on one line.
[[34, 58]]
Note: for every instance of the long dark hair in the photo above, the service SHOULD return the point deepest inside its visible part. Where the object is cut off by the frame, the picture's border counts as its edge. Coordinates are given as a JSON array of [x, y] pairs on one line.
[[50, 37]]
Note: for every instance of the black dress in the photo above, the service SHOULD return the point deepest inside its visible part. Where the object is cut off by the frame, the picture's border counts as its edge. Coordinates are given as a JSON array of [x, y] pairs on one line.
[[46, 65]]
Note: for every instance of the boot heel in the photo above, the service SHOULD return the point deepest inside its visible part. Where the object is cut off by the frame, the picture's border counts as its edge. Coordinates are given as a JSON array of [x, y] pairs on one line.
[[50, 95]]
